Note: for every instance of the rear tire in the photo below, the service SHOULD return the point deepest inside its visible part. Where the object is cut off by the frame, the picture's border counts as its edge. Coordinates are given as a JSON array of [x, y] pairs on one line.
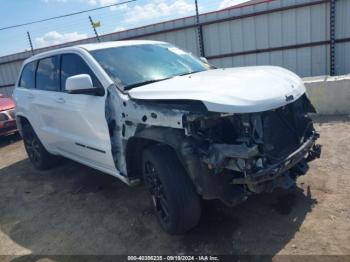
[[174, 198], [37, 154]]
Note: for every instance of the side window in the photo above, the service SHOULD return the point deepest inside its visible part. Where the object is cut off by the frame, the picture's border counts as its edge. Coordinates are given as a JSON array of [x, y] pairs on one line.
[[28, 76], [46, 74], [72, 65]]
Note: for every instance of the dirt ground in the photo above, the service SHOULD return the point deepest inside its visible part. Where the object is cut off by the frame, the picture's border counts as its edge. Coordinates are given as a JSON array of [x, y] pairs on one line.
[[73, 209]]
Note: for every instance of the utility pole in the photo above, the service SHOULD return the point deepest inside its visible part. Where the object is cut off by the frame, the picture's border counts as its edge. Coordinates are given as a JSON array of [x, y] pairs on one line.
[[30, 43], [94, 28], [199, 32]]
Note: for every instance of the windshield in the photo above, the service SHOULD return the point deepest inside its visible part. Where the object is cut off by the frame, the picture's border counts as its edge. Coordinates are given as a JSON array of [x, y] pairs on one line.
[[131, 66]]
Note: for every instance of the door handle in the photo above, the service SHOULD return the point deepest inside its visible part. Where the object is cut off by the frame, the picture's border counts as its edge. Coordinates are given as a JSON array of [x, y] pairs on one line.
[[60, 100]]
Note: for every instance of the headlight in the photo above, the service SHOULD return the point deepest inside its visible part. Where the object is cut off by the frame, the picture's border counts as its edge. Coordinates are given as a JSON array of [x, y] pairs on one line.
[[12, 113], [3, 117]]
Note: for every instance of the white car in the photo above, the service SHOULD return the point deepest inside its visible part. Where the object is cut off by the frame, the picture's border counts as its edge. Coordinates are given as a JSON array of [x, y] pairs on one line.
[[147, 110]]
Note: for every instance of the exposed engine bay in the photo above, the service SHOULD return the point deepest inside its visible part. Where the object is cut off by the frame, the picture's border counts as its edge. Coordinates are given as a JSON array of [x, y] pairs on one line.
[[254, 149], [227, 156]]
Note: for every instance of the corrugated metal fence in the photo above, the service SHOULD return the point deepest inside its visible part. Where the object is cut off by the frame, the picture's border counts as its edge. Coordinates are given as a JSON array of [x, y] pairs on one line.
[[295, 34]]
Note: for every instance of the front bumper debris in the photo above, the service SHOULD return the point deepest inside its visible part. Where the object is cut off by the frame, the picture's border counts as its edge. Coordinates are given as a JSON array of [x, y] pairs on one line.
[[297, 161]]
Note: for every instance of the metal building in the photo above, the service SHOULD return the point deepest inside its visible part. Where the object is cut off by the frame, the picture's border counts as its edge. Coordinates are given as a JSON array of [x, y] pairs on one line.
[[309, 37]]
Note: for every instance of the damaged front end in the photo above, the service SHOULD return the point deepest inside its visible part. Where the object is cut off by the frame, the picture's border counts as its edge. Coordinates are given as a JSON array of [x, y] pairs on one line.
[[233, 156]]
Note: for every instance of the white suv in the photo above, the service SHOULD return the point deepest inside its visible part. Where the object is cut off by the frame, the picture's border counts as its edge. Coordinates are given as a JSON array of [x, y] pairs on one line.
[[146, 110]]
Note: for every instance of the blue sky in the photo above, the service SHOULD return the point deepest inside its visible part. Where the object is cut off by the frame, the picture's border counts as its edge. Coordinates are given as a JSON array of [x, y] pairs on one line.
[[126, 16]]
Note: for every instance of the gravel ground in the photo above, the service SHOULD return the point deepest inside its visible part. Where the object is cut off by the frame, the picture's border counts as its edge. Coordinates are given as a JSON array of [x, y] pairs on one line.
[[73, 209]]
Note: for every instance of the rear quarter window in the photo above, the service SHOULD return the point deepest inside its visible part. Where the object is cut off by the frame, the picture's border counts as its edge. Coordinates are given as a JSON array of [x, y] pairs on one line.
[[27, 79]]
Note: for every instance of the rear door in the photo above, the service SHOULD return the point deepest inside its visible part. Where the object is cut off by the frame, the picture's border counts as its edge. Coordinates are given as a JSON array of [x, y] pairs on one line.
[[80, 119], [35, 96], [44, 100], [23, 94]]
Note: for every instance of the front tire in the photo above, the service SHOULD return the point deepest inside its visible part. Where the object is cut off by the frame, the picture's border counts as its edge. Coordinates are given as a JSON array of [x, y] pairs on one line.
[[37, 154], [174, 199]]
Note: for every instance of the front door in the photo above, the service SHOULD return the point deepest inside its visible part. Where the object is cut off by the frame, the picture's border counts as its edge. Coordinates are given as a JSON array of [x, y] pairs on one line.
[[81, 120]]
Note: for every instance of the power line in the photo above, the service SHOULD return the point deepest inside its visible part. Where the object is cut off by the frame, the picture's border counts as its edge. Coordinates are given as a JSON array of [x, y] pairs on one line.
[[78, 24], [66, 15]]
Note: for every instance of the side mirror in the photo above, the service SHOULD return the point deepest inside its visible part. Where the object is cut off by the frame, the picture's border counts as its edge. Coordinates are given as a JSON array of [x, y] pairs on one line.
[[82, 84], [204, 60]]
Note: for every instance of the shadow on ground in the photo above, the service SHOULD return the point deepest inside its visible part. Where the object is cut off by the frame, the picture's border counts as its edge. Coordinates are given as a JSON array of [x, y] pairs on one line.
[[326, 119], [9, 139], [73, 209]]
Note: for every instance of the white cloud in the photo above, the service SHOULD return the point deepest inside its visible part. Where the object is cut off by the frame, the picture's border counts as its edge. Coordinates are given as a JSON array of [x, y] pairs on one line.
[[122, 7], [119, 28], [93, 3], [55, 38], [228, 3], [100, 2], [106, 3], [59, 1], [158, 8]]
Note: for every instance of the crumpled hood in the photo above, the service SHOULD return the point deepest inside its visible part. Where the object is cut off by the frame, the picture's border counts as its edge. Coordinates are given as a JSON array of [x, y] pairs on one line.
[[230, 90], [6, 103]]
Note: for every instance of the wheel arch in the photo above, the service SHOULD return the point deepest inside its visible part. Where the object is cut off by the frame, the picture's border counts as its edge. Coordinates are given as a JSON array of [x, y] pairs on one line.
[[186, 151], [21, 119], [135, 145]]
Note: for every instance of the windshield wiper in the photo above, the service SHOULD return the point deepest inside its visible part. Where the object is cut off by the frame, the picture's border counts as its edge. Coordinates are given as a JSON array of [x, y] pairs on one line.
[[144, 83]]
